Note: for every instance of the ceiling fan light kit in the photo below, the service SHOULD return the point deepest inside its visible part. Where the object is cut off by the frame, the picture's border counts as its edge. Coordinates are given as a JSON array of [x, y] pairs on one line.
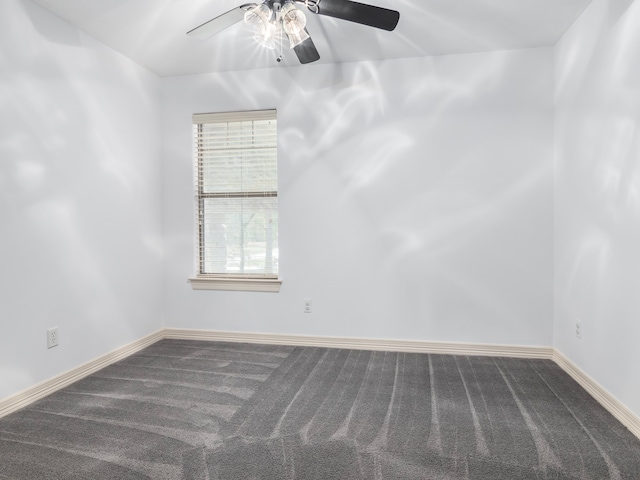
[[272, 20]]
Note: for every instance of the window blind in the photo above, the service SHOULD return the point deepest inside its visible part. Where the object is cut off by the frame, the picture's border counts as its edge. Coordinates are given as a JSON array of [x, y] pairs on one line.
[[237, 194]]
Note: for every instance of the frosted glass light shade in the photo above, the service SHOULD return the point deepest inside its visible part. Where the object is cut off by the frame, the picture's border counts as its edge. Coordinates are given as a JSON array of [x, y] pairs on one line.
[[259, 20], [258, 17], [293, 20]]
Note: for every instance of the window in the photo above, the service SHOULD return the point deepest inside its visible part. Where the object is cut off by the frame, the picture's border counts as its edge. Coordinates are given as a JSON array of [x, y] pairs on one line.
[[236, 201]]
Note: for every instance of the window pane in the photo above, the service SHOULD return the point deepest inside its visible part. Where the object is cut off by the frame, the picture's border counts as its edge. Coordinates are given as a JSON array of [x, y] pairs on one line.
[[238, 157], [240, 235]]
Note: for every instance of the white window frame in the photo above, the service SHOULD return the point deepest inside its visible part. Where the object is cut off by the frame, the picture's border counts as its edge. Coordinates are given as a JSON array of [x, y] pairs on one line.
[[226, 282]]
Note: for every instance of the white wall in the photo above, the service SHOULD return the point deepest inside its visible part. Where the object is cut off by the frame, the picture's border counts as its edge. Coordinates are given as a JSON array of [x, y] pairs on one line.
[[80, 214], [597, 208], [415, 198]]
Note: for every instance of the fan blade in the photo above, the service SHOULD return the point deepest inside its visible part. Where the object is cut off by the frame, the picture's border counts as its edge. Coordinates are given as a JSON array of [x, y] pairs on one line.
[[221, 22], [307, 51], [359, 13]]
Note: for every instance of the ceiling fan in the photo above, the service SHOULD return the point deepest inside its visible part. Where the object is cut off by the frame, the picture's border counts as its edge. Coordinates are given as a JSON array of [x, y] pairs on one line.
[[276, 20]]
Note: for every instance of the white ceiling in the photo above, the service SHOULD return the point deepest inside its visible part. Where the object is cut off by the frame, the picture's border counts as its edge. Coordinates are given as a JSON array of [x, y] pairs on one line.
[[153, 32]]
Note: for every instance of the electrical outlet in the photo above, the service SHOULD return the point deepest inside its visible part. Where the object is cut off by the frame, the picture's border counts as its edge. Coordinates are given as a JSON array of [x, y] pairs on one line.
[[578, 329], [307, 305], [52, 337]]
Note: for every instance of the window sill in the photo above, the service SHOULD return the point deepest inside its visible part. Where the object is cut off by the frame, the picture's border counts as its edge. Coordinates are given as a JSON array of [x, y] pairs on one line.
[[269, 285]]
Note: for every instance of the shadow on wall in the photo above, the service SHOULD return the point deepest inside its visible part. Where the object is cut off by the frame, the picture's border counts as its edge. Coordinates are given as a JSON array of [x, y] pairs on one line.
[[599, 141], [423, 185], [598, 196], [78, 212]]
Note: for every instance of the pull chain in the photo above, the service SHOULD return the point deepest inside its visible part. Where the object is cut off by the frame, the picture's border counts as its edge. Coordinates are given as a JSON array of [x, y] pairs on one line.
[[281, 56], [280, 35]]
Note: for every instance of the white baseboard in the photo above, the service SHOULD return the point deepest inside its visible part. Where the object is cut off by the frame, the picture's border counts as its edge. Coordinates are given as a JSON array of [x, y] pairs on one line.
[[602, 396], [26, 397], [411, 346], [608, 401]]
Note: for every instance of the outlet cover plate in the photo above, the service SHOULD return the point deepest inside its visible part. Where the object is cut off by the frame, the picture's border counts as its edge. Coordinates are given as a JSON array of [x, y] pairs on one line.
[[52, 337]]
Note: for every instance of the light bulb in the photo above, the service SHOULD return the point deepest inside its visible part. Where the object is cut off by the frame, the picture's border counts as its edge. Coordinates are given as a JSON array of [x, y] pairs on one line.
[[267, 36], [293, 20]]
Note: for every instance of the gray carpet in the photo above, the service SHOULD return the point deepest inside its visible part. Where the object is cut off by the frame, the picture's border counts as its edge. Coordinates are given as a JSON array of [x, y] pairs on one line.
[[199, 410]]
